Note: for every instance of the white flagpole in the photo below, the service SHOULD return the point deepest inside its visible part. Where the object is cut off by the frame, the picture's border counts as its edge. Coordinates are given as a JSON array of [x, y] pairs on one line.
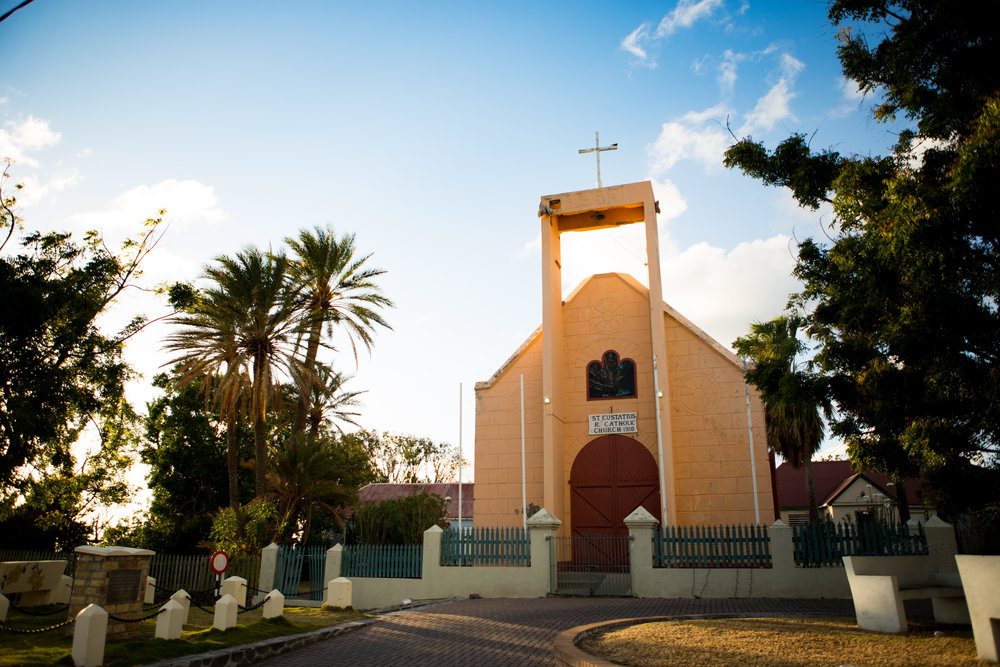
[[524, 478], [753, 465], [460, 461], [659, 444]]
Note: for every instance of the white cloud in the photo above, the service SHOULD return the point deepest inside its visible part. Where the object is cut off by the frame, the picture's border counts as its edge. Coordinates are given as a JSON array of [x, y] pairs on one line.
[[774, 106], [672, 202], [36, 190], [727, 70], [851, 97], [633, 44], [19, 138], [724, 292], [697, 135], [685, 14], [187, 202]]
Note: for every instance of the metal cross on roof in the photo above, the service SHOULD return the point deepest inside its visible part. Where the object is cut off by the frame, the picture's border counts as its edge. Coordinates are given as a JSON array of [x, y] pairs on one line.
[[597, 151]]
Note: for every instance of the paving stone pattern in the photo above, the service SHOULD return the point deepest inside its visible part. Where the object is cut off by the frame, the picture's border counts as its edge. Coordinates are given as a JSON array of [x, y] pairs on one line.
[[511, 631]]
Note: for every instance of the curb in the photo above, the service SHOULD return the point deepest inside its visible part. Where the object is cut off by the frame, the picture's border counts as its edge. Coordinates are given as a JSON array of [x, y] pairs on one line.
[[567, 654], [248, 654]]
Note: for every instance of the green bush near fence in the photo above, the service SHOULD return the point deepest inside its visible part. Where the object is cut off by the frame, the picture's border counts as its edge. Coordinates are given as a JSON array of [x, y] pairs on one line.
[[398, 521]]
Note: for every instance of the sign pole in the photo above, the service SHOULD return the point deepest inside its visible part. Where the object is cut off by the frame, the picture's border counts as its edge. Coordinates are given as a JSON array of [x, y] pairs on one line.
[[460, 464], [659, 444], [524, 476], [753, 465]]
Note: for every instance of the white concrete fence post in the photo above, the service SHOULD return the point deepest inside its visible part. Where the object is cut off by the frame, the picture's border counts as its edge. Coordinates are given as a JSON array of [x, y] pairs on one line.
[[338, 592], [782, 547], [640, 528], [268, 567], [225, 613], [334, 559], [170, 620], [541, 526], [237, 587], [941, 544], [88, 636], [274, 604]]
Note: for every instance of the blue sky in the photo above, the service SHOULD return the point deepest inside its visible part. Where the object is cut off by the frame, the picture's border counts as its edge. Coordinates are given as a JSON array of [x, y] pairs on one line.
[[430, 130]]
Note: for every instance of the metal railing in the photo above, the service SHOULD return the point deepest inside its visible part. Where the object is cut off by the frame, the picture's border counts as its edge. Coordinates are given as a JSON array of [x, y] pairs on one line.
[[825, 544], [486, 546], [711, 546]]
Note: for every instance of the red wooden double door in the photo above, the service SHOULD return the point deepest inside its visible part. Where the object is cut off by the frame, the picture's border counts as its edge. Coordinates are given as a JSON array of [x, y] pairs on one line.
[[610, 477]]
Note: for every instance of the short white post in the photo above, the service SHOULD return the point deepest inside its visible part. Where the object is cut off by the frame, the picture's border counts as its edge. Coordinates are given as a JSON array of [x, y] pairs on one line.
[[150, 597], [338, 592], [184, 599], [225, 613], [170, 621], [268, 567], [237, 587], [4, 607], [89, 635], [334, 559], [274, 604]]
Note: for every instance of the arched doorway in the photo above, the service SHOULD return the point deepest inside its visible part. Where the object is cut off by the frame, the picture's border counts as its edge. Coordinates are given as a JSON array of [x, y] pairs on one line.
[[610, 477]]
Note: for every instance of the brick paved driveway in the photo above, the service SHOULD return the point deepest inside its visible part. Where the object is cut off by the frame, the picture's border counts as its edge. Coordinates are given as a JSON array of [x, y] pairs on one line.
[[511, 631]]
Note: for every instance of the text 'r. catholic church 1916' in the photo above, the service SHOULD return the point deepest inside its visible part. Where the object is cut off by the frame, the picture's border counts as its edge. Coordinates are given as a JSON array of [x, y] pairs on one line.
[[596, 419]]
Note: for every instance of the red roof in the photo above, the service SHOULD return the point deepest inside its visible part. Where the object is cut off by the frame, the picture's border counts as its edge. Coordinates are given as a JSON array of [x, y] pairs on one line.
[[376, 493], [829, 478]]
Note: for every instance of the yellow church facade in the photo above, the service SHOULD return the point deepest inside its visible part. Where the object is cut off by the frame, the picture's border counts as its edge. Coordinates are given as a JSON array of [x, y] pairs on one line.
[[624, 403]]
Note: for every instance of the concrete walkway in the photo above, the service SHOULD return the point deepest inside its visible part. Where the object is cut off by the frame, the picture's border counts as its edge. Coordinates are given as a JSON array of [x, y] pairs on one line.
[[512, 631]]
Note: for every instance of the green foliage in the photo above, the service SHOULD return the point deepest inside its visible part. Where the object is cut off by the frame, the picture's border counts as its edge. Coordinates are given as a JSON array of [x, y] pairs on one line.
[[247, 529], [406, 458], [903, 302], [399, 521]]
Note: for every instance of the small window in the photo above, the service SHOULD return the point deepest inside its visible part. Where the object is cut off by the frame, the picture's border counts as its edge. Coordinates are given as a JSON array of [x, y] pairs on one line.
[[610, 377]]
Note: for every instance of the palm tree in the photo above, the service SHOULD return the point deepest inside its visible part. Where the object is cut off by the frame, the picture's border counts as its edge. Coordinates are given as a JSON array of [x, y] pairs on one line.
[[247, 321], [794, 398], [334, 289], [330, 402]]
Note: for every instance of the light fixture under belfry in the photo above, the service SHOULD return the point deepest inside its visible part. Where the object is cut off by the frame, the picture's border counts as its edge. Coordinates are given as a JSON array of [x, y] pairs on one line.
[[547, 401], [659, 394]]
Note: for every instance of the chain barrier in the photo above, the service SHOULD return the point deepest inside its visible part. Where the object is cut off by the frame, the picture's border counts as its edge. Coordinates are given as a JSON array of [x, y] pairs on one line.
[[174, 590], [260, 604], [207, 611], [39, 613], [35, 631], [135, 620]]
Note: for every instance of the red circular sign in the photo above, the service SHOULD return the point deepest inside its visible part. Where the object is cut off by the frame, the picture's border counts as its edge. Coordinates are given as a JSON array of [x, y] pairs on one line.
[[219, 562]]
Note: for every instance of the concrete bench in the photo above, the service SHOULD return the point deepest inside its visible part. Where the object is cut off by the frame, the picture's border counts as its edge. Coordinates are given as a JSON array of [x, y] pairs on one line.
[[879, 584], [38, 582], [981, 580]]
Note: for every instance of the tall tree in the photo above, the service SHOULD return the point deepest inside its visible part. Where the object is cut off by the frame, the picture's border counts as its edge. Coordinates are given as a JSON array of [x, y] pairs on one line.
[[904, 299], [245, 321], [794, 397], [60, 374], [336, 290]]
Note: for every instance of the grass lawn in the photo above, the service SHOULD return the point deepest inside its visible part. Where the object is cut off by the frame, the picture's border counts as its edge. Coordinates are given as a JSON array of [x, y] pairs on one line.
[[779, 641], [54, 648]]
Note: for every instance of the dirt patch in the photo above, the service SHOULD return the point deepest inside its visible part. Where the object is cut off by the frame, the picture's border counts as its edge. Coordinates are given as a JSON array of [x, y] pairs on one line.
[[781, 642]]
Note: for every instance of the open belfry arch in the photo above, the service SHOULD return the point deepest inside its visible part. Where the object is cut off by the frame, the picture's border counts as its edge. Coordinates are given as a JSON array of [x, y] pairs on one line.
[[588, 372]]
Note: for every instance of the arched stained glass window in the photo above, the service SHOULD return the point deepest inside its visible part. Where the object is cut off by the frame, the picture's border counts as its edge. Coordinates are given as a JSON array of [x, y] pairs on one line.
[[611, 377]]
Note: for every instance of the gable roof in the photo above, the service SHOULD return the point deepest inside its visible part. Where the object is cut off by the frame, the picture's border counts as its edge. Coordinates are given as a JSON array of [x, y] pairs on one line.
[[376, 493], [697, 331], [831, 479]]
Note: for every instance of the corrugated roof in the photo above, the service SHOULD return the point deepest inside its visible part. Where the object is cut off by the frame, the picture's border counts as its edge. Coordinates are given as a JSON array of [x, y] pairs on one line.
[[830, 478], [376, 493]]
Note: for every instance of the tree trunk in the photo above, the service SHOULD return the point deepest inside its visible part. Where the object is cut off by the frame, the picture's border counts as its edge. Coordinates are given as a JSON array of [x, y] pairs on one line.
[[811, 492], [903, 502], [302, 409], [259, 428], [232, 461]]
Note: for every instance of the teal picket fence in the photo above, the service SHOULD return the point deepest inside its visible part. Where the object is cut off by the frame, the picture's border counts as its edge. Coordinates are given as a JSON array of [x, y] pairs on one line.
[[486, 546], [390, 561], [292, 561], [825, 544], [711, 546]]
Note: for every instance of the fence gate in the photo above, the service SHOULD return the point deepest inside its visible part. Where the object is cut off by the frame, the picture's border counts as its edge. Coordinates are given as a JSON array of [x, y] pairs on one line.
[[288, 571], [590, 565]]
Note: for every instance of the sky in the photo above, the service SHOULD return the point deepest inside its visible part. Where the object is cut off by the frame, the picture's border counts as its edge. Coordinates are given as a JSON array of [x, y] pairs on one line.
[[429, 130]]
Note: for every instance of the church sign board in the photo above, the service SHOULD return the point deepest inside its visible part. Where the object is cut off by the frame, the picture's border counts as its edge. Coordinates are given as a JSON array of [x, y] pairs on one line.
[[623, 422]]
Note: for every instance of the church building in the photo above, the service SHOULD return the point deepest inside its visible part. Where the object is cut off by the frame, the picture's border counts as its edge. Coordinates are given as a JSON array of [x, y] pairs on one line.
[[625, 401]]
